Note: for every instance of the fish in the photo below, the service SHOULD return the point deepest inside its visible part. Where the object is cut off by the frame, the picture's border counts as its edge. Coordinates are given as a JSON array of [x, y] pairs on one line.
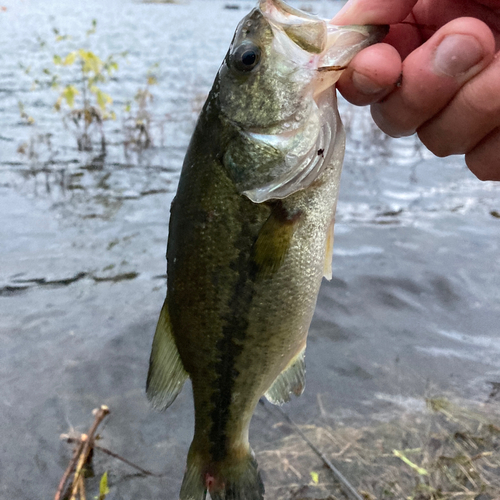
[[251, 236]]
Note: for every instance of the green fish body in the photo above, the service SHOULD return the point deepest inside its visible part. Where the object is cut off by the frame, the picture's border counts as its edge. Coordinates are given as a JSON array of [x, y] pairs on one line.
[[251, 236]]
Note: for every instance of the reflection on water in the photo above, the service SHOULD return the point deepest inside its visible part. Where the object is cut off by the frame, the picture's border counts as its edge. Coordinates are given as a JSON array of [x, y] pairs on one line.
[[93, 190], [414, 302]]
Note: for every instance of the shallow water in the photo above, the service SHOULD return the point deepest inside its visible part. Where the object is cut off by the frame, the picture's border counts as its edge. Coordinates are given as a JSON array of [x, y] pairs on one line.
[[413, 308]]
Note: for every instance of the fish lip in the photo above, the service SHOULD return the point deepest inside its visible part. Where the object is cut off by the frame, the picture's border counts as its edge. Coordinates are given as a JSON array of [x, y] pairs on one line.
[[344, 42], [330, 68]]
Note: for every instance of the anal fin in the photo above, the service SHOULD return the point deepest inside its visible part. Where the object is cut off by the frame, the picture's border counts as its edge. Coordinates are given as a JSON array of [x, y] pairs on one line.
[[291, 380], [166, 374]]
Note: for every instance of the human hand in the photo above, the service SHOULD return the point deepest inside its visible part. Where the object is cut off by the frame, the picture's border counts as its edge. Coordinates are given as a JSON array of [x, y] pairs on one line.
[[447, 89]]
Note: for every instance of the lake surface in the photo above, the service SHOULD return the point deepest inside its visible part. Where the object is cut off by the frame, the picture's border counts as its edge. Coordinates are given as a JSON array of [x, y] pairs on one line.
[[413, 308]]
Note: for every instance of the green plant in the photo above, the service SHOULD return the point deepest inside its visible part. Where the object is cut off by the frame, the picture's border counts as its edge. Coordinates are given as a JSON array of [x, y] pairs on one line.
[[137, 123], [103, 486], [27, 119], [85, 101], [78, 77]]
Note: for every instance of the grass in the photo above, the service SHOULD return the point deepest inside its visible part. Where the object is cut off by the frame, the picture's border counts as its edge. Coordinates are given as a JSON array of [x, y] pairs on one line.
[[450, 451]]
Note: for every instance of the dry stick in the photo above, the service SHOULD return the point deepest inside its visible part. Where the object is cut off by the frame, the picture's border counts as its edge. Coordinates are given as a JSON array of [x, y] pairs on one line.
[[81, 487], [350, 490], [69, 470], [81, 454], [78, 478], [124, 460], [100, 415], [118, 457]]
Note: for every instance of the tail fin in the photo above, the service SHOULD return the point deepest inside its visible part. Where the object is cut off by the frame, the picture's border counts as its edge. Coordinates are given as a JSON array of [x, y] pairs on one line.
[[228, 480]]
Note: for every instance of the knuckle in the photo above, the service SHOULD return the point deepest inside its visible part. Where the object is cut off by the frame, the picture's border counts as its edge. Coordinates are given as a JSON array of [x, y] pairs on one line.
[[477, 103], [481, 97]]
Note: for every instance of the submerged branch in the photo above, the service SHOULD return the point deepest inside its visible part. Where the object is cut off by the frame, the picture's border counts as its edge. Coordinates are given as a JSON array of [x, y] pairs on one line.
[[69, 470], [115, 455], [80, 458]]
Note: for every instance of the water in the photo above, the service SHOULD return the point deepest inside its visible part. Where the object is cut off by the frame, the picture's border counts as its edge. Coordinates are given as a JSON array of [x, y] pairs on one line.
[[413, 308]]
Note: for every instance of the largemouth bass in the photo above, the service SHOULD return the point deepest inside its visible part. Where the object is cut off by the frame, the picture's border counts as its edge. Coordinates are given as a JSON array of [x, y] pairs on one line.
[[251, 236]]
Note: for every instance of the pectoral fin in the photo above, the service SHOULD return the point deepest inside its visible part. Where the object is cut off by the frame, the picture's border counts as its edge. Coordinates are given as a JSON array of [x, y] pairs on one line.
[[274, 240], [291, 380], [166, 374]]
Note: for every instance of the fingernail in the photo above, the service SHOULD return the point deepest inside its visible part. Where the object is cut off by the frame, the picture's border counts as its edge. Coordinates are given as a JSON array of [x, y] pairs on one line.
[[364, 84], [456, 54]]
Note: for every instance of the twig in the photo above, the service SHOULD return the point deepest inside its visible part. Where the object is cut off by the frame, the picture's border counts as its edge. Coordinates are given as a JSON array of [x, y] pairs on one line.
[[100, 415], [115, 455], [69, 470], [349, 488], [81, 455], [80, 487], [78, 479], [343, 450], [128, 462]]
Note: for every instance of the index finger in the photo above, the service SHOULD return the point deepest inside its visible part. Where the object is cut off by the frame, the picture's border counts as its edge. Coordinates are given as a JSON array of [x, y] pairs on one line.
[[374, 12], [374, 72]]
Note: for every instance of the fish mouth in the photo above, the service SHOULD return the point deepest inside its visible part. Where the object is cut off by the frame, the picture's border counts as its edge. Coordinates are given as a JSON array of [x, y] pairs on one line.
[[332, 47], [284, 11], [310, 138], [344, 42]]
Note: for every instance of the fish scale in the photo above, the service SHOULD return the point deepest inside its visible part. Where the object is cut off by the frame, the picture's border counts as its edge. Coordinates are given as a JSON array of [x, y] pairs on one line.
[[250, 237]]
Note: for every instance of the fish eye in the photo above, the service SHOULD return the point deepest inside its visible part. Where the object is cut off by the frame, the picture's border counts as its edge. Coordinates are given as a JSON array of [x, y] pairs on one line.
[[246, 57]]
